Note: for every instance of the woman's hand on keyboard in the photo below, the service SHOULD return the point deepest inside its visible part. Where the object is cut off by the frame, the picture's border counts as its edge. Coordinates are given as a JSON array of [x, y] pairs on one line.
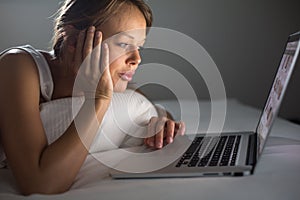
[[162, 130]]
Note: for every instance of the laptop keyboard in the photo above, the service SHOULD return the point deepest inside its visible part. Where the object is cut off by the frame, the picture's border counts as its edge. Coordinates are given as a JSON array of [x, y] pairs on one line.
[[211, 151]]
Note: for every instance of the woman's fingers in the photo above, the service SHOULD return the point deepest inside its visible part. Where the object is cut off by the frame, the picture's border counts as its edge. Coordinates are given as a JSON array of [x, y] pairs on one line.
[[180, 128], [159, 137], [158, 130], [95, 58], [163, 129], [85, 44], [105, 59], [79, 47], [87, 52], [89, 42], [170, 125], [105, 82], [150, 140]]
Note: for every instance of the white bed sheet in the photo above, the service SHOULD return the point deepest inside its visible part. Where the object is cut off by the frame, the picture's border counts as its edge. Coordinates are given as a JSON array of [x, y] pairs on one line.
[[277, 175]]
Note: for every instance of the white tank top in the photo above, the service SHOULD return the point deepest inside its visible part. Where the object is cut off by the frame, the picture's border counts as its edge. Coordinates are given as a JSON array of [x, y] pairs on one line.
[[127, 116]]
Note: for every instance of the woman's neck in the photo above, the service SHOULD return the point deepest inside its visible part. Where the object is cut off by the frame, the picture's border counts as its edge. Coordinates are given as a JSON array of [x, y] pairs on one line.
[[63, 78]]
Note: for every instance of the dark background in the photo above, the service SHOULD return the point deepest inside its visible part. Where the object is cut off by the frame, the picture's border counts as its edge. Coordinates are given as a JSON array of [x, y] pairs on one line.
[[244, 38]]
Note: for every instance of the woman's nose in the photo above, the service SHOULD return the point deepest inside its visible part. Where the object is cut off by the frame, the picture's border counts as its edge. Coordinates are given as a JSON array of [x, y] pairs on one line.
[[134, 58]]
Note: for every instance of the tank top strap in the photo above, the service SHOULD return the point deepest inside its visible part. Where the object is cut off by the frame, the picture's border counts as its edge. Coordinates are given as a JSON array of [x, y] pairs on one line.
[[46, 82]]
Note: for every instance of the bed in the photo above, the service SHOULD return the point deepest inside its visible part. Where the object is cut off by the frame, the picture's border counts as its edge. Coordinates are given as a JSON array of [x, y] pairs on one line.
[[277, 175]]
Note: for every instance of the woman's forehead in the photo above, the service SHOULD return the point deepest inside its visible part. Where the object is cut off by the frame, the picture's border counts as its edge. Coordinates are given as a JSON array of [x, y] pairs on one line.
[[128, 22]]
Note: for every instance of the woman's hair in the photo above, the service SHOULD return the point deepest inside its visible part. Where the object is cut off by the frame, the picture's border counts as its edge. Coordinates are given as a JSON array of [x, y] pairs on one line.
[[82, 13]]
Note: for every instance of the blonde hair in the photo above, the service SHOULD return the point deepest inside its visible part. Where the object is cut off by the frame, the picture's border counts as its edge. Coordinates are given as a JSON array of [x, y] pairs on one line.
[[82, 13]]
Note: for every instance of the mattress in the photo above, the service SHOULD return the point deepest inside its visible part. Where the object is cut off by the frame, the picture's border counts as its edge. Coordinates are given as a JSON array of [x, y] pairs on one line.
[[276, 176]]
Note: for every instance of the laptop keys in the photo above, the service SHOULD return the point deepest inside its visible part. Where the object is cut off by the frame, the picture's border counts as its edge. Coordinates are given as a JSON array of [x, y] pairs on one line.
[[235, 151], [218, 151], [191, 150], [211, 151]]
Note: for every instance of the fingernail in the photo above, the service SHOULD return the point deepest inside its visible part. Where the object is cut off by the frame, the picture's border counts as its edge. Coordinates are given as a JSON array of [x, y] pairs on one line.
[[170, 140], [151, 144], [105, 45], [91, 29], [98, 34], [159, 145]]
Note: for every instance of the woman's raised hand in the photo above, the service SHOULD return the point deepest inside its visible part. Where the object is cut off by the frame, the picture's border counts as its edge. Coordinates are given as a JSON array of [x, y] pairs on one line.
[[91, 66]]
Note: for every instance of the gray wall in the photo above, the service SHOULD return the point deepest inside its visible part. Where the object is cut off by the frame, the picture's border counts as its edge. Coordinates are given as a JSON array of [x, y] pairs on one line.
[[244, 38], [26, 22]]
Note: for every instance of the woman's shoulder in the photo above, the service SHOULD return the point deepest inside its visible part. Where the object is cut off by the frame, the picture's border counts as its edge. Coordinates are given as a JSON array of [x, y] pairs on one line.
[[18, 70], [25, 54], [12, 58], [15, 55], [18, 62]]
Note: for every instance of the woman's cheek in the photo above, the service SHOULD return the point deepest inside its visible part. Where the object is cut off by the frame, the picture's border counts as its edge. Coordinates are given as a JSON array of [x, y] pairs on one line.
[[114, 73], [115, 54]]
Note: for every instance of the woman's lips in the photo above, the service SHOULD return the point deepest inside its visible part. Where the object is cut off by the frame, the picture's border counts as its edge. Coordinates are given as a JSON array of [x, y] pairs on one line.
[[127, 76]]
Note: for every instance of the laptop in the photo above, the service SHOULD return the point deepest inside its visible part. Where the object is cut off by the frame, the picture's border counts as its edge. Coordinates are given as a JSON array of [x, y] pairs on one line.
[[226, 154]]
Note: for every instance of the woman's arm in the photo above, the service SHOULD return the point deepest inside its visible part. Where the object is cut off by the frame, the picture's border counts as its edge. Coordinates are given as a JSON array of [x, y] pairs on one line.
[[37, 166]]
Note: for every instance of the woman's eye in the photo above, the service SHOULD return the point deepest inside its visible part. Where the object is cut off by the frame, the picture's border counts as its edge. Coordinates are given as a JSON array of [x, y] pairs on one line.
[[123, 45], [129, 47]]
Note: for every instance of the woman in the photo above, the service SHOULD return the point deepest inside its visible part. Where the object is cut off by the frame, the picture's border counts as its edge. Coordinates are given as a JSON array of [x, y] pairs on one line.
[[72, 69]]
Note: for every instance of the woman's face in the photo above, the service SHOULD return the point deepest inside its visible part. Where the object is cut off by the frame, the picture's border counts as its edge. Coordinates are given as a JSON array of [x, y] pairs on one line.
[[124, 33]]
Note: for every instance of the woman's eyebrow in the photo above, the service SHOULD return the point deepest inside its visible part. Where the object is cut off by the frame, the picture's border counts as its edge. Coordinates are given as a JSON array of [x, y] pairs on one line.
[[128, 35]]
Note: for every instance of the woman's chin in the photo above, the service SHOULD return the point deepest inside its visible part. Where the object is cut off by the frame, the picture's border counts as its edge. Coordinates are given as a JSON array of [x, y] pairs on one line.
[[121, 86]]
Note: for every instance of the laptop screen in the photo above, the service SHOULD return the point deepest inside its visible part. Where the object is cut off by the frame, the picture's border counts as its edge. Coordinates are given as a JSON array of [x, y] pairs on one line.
[[280, 83]]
